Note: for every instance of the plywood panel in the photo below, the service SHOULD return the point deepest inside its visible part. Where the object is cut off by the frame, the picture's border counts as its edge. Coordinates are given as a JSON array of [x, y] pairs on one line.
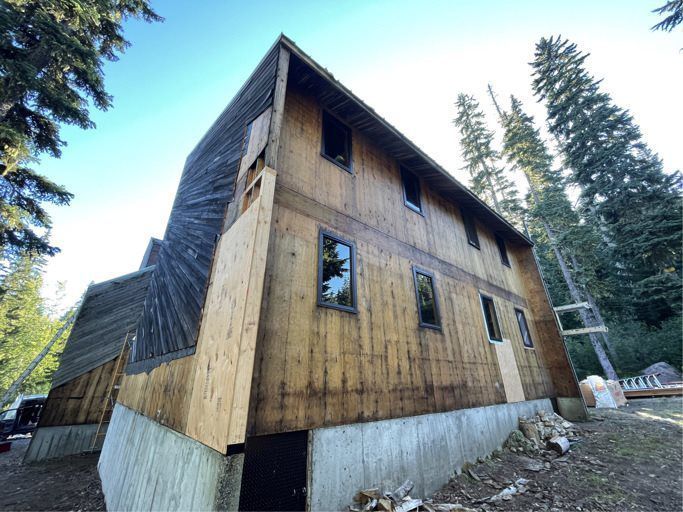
[[225, 353], [509, 372]]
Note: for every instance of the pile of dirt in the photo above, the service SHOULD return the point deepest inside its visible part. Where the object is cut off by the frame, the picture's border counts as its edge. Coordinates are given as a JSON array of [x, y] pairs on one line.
[[666, 373]]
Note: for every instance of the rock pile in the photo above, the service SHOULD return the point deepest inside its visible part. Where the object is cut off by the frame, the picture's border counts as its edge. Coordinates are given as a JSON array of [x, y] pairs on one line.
[[544, 426]]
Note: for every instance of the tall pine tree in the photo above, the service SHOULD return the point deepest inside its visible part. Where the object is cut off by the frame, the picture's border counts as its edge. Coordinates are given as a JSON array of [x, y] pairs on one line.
[[624, 190], [553, 221], [487, 176], [51, 58]]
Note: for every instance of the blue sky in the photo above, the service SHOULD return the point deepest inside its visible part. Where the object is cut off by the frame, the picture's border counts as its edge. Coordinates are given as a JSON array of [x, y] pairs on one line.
[[408, 60]]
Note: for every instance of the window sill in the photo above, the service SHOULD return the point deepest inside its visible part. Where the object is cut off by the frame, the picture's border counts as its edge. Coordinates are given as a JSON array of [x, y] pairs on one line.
[[346, 309], [496, 342], [348, 169], [431, 326], [474, 245], [413, 208]]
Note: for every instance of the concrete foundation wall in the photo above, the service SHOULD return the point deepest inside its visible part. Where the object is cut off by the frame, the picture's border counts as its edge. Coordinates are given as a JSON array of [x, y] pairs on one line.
[[426, 449], [146, 466], [53, 442]]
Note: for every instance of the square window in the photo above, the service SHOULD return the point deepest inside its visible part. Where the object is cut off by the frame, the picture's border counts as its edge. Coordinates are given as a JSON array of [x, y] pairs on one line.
[[411, 191], [500, 242], [336, 273], [470, 229], [524, 329], [427, 305], [336, 141], [491, 319]]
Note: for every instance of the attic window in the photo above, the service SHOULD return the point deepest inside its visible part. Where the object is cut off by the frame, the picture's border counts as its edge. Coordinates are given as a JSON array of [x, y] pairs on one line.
[[500, 242], [524, 329], [491, 319], [336, 141], [470, 229], [411, 191], [427, 306]]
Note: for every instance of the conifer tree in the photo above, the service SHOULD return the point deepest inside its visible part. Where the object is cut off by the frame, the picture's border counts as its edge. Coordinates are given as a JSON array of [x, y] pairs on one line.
[[550, 212], [26, 327], [487, 177], [624, 190], [51, 57], [673, 9]]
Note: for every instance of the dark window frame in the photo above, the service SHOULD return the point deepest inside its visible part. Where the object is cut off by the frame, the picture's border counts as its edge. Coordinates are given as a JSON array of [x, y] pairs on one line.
[[352, 271], [347, 128], [482, 297], [526, 326], [502, 250], [437, 311], [417, 209], [473, 236]]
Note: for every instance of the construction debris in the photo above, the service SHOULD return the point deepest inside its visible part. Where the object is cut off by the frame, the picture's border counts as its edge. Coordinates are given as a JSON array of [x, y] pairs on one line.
[[560, 444], [398, 500], [543, 427], [508, 492]]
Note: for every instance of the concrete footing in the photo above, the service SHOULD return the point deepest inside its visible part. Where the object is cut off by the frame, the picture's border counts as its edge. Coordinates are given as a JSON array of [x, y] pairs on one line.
[[427, 449], [146, 466], [53, 442]]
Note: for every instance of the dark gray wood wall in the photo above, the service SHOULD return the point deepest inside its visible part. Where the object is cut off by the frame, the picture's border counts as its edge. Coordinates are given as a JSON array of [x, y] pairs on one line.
[[170, 321]]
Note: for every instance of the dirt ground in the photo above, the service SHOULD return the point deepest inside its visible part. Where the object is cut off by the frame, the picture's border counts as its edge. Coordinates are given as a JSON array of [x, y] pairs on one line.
[[628, 459], [70, 483]]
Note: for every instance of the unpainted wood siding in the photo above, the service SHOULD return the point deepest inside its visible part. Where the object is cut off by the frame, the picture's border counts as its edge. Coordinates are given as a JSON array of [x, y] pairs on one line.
[[79, 401], [318, 366], [206, 395], [170, 322]]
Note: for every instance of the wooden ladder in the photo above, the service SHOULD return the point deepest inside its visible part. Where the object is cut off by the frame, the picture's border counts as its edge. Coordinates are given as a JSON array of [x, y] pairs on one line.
[[112, 393]]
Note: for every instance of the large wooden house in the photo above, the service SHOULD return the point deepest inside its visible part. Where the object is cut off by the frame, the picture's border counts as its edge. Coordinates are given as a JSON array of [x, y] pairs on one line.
[[330, 310]]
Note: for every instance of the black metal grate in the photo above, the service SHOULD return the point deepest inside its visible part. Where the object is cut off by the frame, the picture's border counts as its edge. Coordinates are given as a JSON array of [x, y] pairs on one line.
[[274, 473]]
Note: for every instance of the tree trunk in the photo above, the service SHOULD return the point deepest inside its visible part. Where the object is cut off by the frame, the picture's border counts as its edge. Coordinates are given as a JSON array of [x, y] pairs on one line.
[[576, 296]]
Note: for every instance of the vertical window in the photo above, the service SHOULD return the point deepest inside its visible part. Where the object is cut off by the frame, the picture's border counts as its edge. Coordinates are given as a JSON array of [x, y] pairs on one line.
[[411, 191], [336, 141], [524, 329], [500, 242], [336, 273], [427, 306], [470, 229], [491, 319]]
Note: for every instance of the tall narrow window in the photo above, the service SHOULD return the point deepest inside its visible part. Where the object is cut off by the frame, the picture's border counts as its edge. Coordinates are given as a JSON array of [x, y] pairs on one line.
[[524, 329], [411, 191], [500, 242], [336, 273], [336, 141], [491, 319], [470, 229], [427, 305]]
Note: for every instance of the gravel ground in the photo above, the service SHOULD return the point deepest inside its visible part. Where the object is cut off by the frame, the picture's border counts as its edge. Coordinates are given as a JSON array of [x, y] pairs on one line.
[[70, 483], [627, 459]]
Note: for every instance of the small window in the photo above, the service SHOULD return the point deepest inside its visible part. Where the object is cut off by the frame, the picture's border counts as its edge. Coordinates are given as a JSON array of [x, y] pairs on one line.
[[491, 319], [470, 229], [427, 306], [336, 273], [500, 242], [411, 191], [336, 141], [524, 329]]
